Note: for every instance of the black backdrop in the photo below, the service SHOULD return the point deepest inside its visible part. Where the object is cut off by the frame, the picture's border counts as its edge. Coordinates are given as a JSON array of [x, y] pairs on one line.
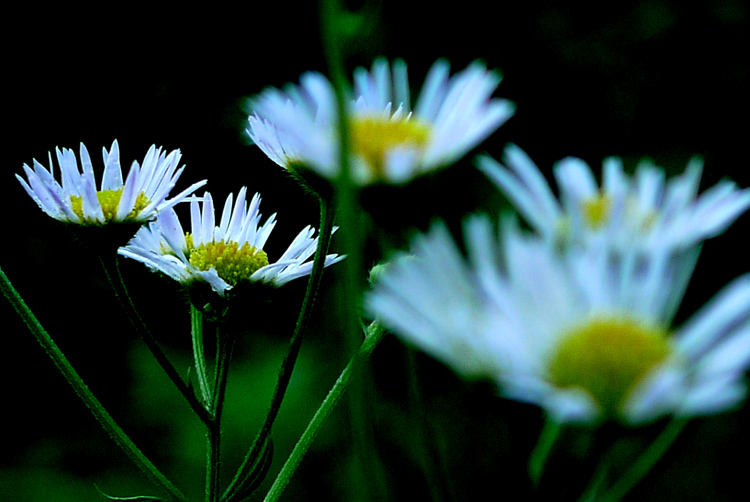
[[654, 78]]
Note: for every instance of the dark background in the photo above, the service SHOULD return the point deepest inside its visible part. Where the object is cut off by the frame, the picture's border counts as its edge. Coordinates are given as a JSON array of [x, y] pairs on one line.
[[654, 78]]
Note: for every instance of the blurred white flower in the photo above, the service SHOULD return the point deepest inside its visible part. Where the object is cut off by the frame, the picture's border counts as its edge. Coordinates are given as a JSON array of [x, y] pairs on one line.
[[225, 255], [390, 142], [138, 199], [584, 334], [644, 210]]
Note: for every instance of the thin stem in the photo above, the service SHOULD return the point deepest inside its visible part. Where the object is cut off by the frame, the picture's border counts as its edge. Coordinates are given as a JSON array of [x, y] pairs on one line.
[[83, 392], [590, 493], [543, 447], [425, 449], [330, 13], [646, 461], [350, 214], [213, 437], [224, 348], [112, 270], [287, 365], [196, 324], [373, 337]]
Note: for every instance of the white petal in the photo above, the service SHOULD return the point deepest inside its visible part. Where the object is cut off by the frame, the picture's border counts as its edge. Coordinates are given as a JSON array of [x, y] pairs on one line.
[[112, 178]]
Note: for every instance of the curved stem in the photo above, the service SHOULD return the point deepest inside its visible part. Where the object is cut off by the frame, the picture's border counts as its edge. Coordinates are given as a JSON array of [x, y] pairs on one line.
[[82, 390], [326, 217], [645, 462], [373, 337], [287, 365], [112, 270]]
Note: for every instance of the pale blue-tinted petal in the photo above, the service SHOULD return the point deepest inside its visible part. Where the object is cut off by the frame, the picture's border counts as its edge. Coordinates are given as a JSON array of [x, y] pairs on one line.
[[88, 168], [90, 205], [433, 91], [112, 178], [728, 308], [401, 93], [129, 194]]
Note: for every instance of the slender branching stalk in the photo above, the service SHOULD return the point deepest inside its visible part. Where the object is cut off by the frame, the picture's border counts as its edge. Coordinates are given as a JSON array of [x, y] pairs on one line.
[[83, 392], [646, 461], [543, 448], [373, 336], [287, 365], [224, 348], [112, 270], [335, 38]]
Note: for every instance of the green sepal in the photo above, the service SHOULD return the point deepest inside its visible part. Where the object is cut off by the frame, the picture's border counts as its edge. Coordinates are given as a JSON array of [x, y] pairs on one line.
[[218, 309], [310, 180]]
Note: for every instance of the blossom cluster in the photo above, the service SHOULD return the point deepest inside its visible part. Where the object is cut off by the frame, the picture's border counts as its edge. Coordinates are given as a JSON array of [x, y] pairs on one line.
[[221, 256], [574, 316]]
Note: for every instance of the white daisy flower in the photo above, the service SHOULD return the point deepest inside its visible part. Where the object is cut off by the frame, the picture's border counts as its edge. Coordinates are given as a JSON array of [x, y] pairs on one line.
[[225, 255], [76, 199], [644, 210], [390, 142], [584, 334]]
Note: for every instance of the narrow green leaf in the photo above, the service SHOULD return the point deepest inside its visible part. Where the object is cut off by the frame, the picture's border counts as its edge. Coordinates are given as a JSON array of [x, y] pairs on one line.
[[257, 473], [137, 497]]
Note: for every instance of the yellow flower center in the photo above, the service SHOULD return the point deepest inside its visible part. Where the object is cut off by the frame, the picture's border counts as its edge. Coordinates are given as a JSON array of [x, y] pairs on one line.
[[233, 263], [110, 200], [596, 211], [607, 358], [373, 137]]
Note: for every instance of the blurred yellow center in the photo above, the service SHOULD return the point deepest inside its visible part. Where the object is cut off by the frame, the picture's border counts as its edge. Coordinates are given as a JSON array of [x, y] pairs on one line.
[[109, 200], [373, 137], [233, 263], [643, 220], [596, 211], [607, 358]]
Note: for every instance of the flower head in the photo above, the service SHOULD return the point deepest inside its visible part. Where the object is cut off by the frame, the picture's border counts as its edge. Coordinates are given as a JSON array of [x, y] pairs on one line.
[[390, 142], [76, 199], [223, 255], [644, 210], [584, 334]]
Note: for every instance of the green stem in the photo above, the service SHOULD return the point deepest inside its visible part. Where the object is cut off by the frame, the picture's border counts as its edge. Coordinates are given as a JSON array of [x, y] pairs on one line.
[[112, 270], [591, 492], [330, 13], [224, 348], [83, 392], [373, 337], [350, 220], [645, 462], [543, 447], [213, 438], [425, 448], [196, 324], [287, 365]]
